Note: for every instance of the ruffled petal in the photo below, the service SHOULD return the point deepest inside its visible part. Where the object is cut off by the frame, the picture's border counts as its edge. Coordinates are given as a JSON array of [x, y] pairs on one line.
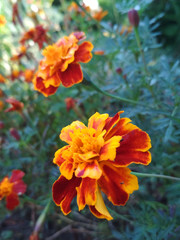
[[108, 151], [97, 121], [111, 121], [83, 54], [19, 187], [12, 201], [117, 183], [136, 140], [39, 86], [16, 175], [65, 132], [100, 210], [64, 191], [72, 75], [58, 159], [67, 169], [91, 170], [86, 192], [124, 158]]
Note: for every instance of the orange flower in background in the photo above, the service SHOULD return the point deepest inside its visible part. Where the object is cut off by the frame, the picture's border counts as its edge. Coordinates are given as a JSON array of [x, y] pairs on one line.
[[96, 160], [37, 34], [99, 52], [15, 74], [28, 75], [11, 187], [73, 7], [2, 79], [22, 52], [126, 30], [2, 21], [1, 105], [61, 64], [16, 105], [99, 15]]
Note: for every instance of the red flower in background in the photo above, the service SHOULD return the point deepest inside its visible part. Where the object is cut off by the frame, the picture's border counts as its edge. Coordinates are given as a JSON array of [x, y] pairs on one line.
[[96, 160], [11, 187], [37, 34], [14, 133], [16, 105], [70, 103], [61, 64]]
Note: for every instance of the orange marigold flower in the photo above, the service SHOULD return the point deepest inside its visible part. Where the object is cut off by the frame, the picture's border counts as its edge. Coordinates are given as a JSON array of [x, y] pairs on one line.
[[2, 79], [37, 34], [16, 105], [15, 74], [22, 52], [98, 52], [28, 75], [96, 160], [61, 64], [11, 187], [1, 105], [126, 30], [2, 21], [73, 7], [99, 15]]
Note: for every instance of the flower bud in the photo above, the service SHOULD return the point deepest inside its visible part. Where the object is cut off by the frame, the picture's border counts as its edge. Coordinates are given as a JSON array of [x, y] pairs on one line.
[[133, 17], [14, 133], [119, 70]]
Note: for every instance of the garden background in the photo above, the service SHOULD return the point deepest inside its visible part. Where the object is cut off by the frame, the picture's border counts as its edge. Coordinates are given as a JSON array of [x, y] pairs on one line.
[[135, 67]]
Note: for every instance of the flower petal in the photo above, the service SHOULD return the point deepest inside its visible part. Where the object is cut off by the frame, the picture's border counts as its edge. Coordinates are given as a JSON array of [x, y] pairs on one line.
[[58, 159], [16, 175], [97, 121], [111, 121], [100, 210], [12, 201], [83, 54], [72, 75], [137, 140], [64, 191], [19, 187], [65, 132], [117, 183], [91, 170], [67, 169], [86, 192], [124, 158], [108, 151]]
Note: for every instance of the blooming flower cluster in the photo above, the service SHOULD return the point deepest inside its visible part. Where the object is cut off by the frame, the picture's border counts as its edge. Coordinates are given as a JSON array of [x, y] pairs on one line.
[[61, 63], [11, 187], [96, 161]]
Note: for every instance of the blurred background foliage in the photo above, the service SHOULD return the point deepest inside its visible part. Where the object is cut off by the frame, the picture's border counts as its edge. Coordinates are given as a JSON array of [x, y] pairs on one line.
[[153, 212]]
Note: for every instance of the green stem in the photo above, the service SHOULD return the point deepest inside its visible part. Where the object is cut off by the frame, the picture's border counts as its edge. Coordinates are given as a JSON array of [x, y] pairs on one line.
[[155, 175], [140, 48]]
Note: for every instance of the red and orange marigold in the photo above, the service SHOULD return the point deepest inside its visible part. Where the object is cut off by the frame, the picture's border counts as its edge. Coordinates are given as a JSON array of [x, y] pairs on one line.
[[96, 160], [11, 187], [16, 105], [61, 64]]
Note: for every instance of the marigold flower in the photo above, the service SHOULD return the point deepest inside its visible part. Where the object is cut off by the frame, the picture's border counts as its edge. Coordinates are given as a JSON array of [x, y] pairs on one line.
[[73, 7], [96, 160], [22, 52], [37, 34], [2, 21], [2, 79], [28, 75], [16, 105], [11, 187], [61, 64], [1, 105], [99, 52], [99, 15], [15, 74], [126, 30]]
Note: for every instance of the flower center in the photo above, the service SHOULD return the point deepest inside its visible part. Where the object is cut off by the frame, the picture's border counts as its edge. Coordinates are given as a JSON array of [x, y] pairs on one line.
[[5, 187]]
